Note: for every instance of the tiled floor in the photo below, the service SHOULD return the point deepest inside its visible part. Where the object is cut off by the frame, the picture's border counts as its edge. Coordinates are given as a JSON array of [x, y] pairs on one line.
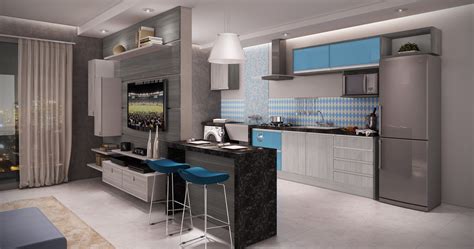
[[308, 217]]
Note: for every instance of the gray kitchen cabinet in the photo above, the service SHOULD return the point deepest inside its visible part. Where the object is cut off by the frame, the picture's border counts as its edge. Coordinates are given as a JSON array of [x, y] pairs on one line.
[[340, 162], [97, 69], [294, 152], [225, 76], [319, 155], [354, 164], [108, 107]]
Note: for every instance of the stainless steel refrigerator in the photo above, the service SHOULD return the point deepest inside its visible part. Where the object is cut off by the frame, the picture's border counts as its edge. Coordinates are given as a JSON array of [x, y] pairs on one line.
[[410, 121]]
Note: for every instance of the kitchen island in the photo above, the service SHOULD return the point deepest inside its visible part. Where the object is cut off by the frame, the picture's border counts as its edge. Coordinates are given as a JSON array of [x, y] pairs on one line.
[[251, 188]]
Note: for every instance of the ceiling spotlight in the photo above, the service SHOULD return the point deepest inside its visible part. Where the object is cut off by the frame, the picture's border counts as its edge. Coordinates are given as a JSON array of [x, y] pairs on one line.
[[285, 34], [148, 10], [401, 10], [103, 31]]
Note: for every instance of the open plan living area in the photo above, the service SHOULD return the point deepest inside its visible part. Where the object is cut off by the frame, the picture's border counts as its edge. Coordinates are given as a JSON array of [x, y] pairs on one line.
[[265, 124]]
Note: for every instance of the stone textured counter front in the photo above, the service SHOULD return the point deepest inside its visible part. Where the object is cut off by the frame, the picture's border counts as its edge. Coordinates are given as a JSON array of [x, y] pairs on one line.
[[251, 187]]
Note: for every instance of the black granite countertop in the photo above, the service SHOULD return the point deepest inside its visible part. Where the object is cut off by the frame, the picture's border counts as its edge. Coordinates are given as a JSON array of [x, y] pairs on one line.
[[213, 149], [306, 129]]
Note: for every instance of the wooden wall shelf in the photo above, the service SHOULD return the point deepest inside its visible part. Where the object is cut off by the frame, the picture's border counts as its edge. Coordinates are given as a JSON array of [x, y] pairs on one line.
[[137, 52]]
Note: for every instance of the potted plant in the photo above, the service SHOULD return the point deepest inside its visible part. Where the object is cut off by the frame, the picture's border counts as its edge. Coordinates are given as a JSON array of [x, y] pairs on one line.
[[408, 48]]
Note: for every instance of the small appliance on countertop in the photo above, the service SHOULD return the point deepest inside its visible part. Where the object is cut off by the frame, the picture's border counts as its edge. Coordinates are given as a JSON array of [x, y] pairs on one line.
[[139, 151], [366, 132], [372, 120], [125, 146], [214, 133]]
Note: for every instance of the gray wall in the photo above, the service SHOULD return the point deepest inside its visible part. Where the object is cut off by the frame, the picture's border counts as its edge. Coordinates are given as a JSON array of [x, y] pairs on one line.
[[84, 50], [457, 88], [190, 100], [206, 103], [163, 64]]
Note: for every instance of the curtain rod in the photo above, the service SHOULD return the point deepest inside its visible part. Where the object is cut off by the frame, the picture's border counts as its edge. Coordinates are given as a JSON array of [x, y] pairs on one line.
[[36, 39]]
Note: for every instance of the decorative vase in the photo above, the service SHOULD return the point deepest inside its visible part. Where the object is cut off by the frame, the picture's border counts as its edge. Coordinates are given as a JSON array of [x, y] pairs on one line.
[[149, 147], [156, 146]]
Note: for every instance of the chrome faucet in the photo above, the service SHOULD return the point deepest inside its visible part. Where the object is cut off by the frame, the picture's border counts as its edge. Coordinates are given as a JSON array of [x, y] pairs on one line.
[[322, 117]]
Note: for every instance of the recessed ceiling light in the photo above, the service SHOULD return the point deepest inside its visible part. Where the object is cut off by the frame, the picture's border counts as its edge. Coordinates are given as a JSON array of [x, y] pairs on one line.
[[148, 10], [401, 10], [103, 31], [285, 34]]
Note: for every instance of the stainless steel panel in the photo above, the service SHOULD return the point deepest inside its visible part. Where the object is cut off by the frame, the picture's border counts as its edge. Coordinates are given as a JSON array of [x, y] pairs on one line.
[[403, 172], [403, 97]]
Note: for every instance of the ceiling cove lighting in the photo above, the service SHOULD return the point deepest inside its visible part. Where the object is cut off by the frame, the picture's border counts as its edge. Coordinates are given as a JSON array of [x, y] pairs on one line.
[[227, 48], [148, 10]]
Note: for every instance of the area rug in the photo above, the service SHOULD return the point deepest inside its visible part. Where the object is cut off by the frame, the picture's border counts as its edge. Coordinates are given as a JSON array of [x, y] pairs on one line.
[[76, 231]]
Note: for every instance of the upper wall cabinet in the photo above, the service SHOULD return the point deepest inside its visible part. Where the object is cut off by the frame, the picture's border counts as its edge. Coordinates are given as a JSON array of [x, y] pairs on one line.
[[224, 76], [97, 70], [310, 59], [364, 53], [353, 53]]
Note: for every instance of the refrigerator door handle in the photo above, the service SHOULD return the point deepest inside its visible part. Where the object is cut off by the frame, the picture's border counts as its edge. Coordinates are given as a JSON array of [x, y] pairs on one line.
[[380, 154], [380, 119]]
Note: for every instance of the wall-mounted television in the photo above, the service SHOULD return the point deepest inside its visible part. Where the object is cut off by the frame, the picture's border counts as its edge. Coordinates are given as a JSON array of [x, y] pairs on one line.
[[146, 105]]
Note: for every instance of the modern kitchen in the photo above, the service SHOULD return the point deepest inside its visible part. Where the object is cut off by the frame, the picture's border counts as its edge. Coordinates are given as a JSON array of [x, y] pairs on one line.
[[345, 129]]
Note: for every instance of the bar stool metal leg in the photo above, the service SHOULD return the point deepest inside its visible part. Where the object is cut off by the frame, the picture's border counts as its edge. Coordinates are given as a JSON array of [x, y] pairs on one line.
[[152, 198], [228, 217], [205, 212]]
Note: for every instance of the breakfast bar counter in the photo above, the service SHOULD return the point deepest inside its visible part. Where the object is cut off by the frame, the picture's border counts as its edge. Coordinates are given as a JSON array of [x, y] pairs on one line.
[[251, 188]]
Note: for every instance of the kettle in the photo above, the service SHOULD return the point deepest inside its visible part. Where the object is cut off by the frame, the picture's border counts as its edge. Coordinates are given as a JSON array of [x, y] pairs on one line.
[[371, 120]]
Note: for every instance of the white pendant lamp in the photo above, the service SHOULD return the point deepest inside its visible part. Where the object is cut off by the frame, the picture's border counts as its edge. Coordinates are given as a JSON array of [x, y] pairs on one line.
[[227, 48]]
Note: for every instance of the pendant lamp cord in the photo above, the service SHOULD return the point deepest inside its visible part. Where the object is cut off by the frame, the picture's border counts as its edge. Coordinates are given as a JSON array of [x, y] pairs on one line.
[[226, 17]]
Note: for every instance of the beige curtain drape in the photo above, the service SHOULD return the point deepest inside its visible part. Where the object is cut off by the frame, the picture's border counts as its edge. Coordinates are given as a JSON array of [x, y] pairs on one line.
[[45, 106]]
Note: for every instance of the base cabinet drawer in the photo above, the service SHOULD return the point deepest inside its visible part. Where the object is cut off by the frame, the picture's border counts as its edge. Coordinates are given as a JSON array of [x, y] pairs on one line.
[[364, 143], [353, 180], [135, 184], [354, 167], [112, 174], [354, 154]]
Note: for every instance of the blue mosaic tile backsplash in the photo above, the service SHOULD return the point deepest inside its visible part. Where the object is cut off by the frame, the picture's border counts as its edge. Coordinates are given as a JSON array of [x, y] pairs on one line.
[[341, 111], [233, 109], [256, 89]]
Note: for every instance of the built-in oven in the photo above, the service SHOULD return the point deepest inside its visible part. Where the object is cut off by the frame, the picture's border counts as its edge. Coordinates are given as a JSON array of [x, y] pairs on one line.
[[360, 83]]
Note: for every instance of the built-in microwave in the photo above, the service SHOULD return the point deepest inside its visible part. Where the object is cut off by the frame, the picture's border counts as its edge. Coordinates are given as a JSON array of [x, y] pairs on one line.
[[361, 83]]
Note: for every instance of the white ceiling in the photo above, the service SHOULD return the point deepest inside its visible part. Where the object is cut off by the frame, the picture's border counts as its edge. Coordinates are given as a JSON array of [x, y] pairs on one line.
[[256, 21], [69, 12]]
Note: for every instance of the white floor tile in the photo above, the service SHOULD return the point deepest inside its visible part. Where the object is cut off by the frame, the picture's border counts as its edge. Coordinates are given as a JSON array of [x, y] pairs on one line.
[[308, 217]]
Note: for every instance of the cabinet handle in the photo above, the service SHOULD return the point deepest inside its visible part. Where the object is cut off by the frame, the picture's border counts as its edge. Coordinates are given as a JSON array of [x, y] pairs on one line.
[[112, 170], [380, 120], [133, 178], [260, 137]]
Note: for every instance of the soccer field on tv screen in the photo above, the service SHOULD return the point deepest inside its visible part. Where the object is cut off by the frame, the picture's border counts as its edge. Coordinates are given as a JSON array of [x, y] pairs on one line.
[[137, 108]]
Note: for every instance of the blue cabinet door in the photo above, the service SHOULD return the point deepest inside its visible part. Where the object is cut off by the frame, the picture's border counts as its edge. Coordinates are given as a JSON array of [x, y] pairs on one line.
[[267, 139], [359, 52], [309, 59]]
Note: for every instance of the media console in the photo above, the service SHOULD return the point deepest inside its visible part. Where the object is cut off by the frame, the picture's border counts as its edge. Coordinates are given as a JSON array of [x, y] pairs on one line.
[[129, 179]]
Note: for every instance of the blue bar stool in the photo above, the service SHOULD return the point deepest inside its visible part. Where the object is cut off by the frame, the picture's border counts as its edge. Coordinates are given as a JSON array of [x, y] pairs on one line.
[[201, 176], [167, 167]]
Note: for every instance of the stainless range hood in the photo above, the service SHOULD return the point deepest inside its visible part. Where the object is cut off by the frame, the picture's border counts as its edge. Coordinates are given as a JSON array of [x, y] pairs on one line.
[[278, 62]]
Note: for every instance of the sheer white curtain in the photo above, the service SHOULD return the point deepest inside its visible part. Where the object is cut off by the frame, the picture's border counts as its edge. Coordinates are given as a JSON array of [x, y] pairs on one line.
[[45, 106]]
